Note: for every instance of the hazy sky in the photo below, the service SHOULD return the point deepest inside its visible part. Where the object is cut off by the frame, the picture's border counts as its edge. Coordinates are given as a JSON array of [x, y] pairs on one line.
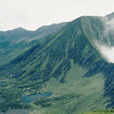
[[32, 14]]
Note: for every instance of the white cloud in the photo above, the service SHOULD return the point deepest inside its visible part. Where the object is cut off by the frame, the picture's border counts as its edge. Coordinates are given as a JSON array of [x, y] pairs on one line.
[[106, 51], [109, 27], [34, 13]]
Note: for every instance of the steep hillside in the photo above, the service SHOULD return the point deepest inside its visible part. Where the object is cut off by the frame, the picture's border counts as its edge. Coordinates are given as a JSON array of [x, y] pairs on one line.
[[12, 41], [63, 74]]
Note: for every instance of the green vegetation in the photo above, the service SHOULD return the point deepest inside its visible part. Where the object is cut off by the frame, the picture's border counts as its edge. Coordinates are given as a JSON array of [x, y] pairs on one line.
[[67, 65], [15, 42], [101, 112]]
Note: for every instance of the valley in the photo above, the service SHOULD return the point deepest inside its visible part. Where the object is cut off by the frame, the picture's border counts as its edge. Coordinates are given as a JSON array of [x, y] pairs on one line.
[[62, 73]]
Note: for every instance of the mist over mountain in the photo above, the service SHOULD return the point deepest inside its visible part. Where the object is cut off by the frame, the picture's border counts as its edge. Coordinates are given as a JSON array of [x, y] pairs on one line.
[[65, 72], [107, 48]]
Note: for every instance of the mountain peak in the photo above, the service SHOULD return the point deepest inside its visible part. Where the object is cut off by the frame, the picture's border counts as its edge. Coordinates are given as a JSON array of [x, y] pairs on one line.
[[110, 16], [19, 29]]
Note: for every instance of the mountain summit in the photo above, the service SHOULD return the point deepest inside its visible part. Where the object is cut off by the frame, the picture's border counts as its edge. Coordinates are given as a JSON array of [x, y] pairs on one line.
[[110, 16]]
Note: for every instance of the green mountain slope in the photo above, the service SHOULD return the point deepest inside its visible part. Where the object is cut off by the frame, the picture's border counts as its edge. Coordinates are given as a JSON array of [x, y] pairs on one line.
[[101, 112], [12, 41], [63, 74]]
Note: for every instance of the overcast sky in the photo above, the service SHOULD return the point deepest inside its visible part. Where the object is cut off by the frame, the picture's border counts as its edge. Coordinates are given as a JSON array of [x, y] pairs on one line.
[[32, 14]]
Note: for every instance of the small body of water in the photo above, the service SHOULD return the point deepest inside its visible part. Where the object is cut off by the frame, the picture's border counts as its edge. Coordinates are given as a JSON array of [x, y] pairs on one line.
[[32, 98]]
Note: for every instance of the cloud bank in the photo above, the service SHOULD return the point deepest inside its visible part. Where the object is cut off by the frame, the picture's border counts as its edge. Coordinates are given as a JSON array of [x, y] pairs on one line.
[[107, 52], [109, 26]]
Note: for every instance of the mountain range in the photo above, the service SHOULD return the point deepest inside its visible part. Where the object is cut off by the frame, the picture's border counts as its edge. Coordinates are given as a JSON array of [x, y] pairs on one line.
[[63, 72], [12, 41]]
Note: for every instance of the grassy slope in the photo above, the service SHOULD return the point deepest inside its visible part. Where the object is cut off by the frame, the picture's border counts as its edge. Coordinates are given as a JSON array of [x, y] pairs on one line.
[[85, 90], [15, 42], [67, 65], [101, 112]]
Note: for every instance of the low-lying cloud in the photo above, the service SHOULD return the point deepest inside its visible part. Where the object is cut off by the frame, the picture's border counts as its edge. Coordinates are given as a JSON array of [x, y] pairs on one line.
[[109, 26], [107, 52], [107, 48]]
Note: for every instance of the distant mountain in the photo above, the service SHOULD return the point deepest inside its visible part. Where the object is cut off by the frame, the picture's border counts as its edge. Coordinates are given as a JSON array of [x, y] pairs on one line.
[[12, 41], [20, 33], [63, 74], [110, 16]]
